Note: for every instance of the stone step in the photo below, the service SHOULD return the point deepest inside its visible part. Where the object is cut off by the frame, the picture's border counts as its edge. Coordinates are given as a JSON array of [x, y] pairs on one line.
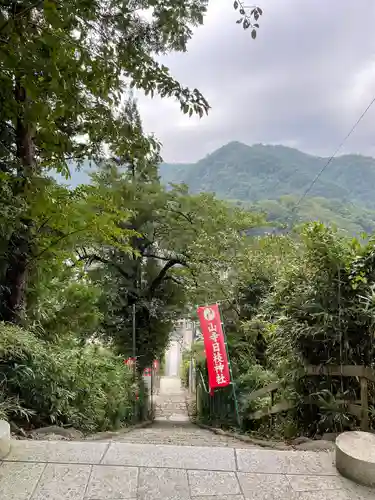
[[169, 412], [170, 408]]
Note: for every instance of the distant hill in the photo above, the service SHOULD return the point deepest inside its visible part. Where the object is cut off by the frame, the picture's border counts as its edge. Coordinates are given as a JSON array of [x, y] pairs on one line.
[[272, 178], [252, 173]]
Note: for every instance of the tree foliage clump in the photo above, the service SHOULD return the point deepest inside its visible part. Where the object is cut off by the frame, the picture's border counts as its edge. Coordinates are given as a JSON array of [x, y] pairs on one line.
[[325, 300], [65, 67], [299, 300], [87, 387], [74, 263], [325, 315], [181, 245]]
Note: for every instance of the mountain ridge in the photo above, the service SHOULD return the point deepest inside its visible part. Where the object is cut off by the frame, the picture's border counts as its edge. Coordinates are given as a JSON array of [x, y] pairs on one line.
[[252, 173], [272, 178]]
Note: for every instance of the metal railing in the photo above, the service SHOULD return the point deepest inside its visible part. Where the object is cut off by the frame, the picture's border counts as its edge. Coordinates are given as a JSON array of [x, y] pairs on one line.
[[218, 408]]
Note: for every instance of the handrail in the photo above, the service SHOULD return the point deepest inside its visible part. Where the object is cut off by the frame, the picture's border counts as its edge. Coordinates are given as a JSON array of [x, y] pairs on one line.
[[342, 370], [264, 390]]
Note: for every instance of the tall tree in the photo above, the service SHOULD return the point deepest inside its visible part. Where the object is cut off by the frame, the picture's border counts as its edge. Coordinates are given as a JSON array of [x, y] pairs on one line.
[[181, 247], [64, 66]]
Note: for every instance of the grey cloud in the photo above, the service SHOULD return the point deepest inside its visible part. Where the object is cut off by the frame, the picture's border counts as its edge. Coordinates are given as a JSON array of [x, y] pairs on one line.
[[303, 82]]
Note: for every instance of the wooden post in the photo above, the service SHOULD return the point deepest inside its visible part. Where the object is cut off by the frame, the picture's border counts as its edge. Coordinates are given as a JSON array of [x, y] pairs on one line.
[[272, 403], [364, 405]]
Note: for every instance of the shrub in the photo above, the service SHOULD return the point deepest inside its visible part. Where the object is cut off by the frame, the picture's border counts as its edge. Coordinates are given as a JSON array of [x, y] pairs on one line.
[[86, 387], [11, 406], [323, 313], [185, 367]]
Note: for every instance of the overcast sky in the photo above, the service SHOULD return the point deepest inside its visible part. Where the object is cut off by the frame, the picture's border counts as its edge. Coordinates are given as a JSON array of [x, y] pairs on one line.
[[303, 82]]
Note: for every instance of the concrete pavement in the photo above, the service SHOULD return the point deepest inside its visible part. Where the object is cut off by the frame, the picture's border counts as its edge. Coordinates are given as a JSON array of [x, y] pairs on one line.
[[62, 470]]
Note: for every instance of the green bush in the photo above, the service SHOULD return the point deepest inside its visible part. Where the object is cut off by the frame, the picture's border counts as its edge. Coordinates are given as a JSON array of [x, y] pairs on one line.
[[255, 378], [184, 372], [11, 406], [88, 388]]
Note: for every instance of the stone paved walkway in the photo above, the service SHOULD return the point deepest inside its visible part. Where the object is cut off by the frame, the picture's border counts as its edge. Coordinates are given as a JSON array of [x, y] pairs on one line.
[[142, 465], [170, 402], [62, 470]]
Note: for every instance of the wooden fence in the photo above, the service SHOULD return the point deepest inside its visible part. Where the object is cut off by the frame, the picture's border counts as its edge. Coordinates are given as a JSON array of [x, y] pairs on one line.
[[359, 409]]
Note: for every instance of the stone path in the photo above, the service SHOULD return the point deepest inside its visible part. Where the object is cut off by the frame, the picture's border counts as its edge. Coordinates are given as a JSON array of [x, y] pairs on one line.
[[143, 465], [172, 424], [179, 435], [170, 402]]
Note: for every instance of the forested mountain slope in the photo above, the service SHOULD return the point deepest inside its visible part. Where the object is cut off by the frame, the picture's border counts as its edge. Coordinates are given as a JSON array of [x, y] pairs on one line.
[[261, 172], [273, 178]]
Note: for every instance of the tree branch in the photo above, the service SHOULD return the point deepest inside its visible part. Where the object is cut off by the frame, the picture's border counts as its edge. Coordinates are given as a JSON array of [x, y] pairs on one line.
[[53, 244], [162, 275], [174, 279], [97, 258], [185, 216], [21, 13]]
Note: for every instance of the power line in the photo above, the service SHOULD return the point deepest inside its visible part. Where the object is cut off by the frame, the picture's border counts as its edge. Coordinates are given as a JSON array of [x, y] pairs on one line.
[[333, 156]]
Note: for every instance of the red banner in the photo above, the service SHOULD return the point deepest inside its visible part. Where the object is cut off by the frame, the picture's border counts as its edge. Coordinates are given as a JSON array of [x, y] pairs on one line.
[[216, 354]]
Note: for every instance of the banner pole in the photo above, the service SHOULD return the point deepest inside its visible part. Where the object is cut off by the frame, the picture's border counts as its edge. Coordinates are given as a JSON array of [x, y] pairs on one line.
[[230, 368]]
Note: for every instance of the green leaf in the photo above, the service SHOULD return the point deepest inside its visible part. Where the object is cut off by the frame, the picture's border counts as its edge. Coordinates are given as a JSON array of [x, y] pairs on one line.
[[235, 4], [253, 34]]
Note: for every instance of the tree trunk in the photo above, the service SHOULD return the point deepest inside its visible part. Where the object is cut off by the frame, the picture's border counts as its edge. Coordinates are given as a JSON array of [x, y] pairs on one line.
[[13, 294], [19, 246]]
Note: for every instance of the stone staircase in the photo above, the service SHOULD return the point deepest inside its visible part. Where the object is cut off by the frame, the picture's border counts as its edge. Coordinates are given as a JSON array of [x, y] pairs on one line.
[[170, 403], [167, 432]]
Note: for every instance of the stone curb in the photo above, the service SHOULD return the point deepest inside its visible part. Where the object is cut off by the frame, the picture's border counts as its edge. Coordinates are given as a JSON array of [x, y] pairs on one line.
[[246, 439], [110, 434], [355, 457], [274, 445], [4, 438]]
